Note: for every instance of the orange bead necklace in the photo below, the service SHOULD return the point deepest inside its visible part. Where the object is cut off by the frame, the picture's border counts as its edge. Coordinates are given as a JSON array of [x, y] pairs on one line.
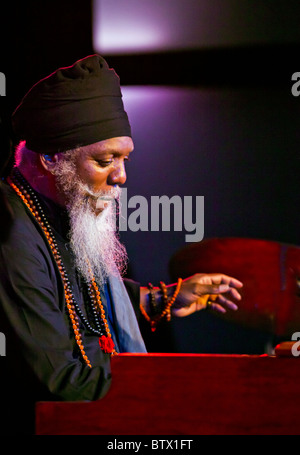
[[30, 199], [168, 303]]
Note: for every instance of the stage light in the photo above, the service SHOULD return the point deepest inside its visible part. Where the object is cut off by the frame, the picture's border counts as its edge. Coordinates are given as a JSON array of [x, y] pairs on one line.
[[135, 26]]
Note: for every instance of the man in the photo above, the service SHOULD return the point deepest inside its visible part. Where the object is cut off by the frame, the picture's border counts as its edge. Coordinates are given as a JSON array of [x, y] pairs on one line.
[[64, 307]]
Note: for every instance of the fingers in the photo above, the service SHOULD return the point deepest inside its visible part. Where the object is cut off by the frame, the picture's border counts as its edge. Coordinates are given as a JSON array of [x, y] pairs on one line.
[[231, 292], [235, 294], [220, 284], [221, 291], [232, 282], [222, 305], [225, 279], [221, 302], [227, 303], [217, 307], [201, 289]]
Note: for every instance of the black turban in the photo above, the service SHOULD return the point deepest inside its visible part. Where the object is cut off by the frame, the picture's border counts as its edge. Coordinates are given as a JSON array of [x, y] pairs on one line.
[[74, 106]]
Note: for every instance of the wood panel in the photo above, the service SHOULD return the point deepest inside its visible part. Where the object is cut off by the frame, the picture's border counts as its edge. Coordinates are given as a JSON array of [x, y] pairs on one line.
[[188, 394]]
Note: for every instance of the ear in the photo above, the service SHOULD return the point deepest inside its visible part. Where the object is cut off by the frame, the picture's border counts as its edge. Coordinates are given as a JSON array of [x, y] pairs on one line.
[[49, 161]]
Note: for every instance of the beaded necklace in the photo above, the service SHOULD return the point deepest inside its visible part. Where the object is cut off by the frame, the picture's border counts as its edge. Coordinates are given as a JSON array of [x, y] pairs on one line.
[[30, 199]]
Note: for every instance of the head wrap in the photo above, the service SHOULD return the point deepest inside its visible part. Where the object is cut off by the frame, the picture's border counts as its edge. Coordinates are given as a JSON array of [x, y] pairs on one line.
[[74, 106]]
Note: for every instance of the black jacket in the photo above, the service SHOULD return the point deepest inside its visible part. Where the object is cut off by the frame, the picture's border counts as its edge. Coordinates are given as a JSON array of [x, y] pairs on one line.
[[42, 360]]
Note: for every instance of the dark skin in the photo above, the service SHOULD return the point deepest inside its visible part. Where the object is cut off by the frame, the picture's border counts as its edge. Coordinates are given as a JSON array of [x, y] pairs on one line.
[[101, 166]]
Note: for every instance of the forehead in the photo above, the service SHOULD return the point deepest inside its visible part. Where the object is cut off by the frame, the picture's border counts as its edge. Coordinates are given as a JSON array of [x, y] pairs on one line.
[[122, 145]]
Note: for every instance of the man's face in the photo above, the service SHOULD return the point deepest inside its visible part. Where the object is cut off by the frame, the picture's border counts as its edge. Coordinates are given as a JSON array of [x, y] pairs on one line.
[[87, 177], [102, 165]]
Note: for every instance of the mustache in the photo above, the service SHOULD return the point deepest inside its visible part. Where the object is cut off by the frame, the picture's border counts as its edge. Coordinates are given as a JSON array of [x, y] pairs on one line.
[[104, 195], [84, 196]]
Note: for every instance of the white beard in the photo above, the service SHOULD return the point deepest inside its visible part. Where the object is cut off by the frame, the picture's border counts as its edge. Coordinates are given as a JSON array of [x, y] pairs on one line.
[[93, 237]]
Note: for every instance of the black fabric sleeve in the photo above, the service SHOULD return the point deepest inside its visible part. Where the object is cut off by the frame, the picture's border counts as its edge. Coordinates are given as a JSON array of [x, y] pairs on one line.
[[134, 291], [36, 325]]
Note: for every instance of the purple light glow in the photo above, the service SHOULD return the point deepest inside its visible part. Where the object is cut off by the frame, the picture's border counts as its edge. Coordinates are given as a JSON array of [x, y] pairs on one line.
[[149, 96], [165, 121], [121, 26], [153, 108], [129, 26]]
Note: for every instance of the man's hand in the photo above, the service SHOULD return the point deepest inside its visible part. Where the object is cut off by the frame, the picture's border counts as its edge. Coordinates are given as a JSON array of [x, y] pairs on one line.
[[217, 289]]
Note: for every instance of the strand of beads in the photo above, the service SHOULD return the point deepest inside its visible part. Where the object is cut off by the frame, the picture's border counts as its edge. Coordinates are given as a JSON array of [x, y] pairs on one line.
[[29, 198], [105, 341], [168, 303]]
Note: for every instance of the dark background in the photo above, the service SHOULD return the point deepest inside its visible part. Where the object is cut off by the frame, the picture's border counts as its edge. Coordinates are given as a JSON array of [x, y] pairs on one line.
[[227, 129]]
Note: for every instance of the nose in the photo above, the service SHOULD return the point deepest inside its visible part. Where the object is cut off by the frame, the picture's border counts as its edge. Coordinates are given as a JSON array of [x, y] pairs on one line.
[[118, 175]]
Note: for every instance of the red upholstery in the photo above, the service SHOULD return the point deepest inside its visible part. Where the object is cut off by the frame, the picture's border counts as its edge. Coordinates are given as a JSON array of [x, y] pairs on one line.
[[269, 270]]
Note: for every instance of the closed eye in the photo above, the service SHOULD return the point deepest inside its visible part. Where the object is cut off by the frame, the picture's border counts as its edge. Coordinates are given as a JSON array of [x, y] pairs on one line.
[[105, 163], [108, 162]]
